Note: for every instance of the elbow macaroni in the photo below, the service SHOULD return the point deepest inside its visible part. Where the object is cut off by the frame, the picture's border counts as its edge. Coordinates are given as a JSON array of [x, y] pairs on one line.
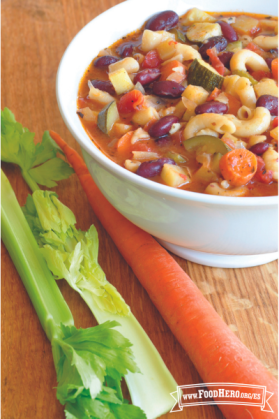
[[244, 113], [245, 56], [266, 42], [217, 123], [215, 189], [270, 158], [241, 88], [258, 124]]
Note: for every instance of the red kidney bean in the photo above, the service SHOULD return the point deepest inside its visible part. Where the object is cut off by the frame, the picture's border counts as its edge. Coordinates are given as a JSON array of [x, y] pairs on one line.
[[269, 102], [162, 21], [105, 86], [154, 167], [168, 89], [211, 107], [259, 148], [163, 126], [125, 50], [228, 31], [147, 76], [219, 42], [105, 61], [225, 58]]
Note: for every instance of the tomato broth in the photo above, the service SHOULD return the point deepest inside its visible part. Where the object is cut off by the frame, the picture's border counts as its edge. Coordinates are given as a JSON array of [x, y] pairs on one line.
[[144, 128]]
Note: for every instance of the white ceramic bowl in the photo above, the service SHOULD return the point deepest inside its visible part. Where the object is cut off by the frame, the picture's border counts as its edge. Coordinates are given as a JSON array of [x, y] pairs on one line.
[[212, 230]]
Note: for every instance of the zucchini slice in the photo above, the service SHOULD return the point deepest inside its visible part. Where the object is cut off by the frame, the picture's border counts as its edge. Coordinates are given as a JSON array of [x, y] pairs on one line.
[[203, 74], [107, 117], [207, 144]]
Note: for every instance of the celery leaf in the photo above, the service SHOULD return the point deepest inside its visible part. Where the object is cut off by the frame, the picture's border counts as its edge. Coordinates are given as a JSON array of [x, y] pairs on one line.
[[88, 357], [38, 162], [70, 253]]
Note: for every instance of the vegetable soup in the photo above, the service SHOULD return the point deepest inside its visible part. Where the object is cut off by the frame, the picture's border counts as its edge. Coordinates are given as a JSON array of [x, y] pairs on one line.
[[190, 102]]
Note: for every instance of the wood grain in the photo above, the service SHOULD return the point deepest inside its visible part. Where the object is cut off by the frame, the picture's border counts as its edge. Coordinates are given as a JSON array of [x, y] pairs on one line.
[[34, 36]]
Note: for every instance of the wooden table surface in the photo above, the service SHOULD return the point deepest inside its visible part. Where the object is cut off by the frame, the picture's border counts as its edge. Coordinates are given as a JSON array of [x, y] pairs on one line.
[[35, 35]]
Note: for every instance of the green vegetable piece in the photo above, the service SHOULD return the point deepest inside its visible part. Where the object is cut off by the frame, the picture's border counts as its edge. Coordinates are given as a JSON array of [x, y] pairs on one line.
[[234, 46], [206, 144], [179, 35], [245, 74], [176, 157], [107, 117], [202, 74], [84, 358], [70, 253], [38, 162]]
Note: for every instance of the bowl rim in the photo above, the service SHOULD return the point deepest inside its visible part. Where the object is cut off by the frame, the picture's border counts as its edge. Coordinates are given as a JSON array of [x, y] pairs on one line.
[[88, 145]]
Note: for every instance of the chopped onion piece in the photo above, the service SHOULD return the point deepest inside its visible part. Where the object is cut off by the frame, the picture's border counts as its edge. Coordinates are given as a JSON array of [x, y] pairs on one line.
[[139, 86], [174, 128], [139, 134], [88, 114], [145, 155]]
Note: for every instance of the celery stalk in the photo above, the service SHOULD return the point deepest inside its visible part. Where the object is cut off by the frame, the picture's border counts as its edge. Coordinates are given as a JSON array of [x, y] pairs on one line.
[[30, 264], [85, 359], [73, 254]]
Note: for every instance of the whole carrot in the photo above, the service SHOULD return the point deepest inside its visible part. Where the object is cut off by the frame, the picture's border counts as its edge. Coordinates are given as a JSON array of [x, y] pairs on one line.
[[216, 352]]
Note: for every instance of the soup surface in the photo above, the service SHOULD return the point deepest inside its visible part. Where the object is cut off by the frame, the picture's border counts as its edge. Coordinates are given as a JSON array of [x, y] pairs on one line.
[[190, 102]]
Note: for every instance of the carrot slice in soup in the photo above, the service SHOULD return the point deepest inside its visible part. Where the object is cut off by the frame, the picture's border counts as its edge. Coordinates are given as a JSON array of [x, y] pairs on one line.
[[238, 166]]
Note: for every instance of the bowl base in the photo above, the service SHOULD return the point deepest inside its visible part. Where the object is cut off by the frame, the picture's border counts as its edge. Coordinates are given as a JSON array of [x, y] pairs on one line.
[[215, 260]]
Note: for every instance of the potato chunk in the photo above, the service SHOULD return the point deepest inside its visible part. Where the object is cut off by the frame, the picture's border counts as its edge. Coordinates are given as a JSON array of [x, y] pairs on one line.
[[245, 24], [121, 81], [195, 93], [174, 175]]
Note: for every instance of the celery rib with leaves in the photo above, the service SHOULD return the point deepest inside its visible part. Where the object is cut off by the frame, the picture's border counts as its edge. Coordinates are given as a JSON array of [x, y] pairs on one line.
[[73, 254], [89, 363]]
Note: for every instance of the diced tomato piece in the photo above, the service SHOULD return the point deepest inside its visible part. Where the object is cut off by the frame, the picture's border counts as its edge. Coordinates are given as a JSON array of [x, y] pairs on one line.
[[130, 102], [253, 47], [152, 59], [262, 175], [260, 164], [275, 122], [215, 61], [260, 74], [167, 69]]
